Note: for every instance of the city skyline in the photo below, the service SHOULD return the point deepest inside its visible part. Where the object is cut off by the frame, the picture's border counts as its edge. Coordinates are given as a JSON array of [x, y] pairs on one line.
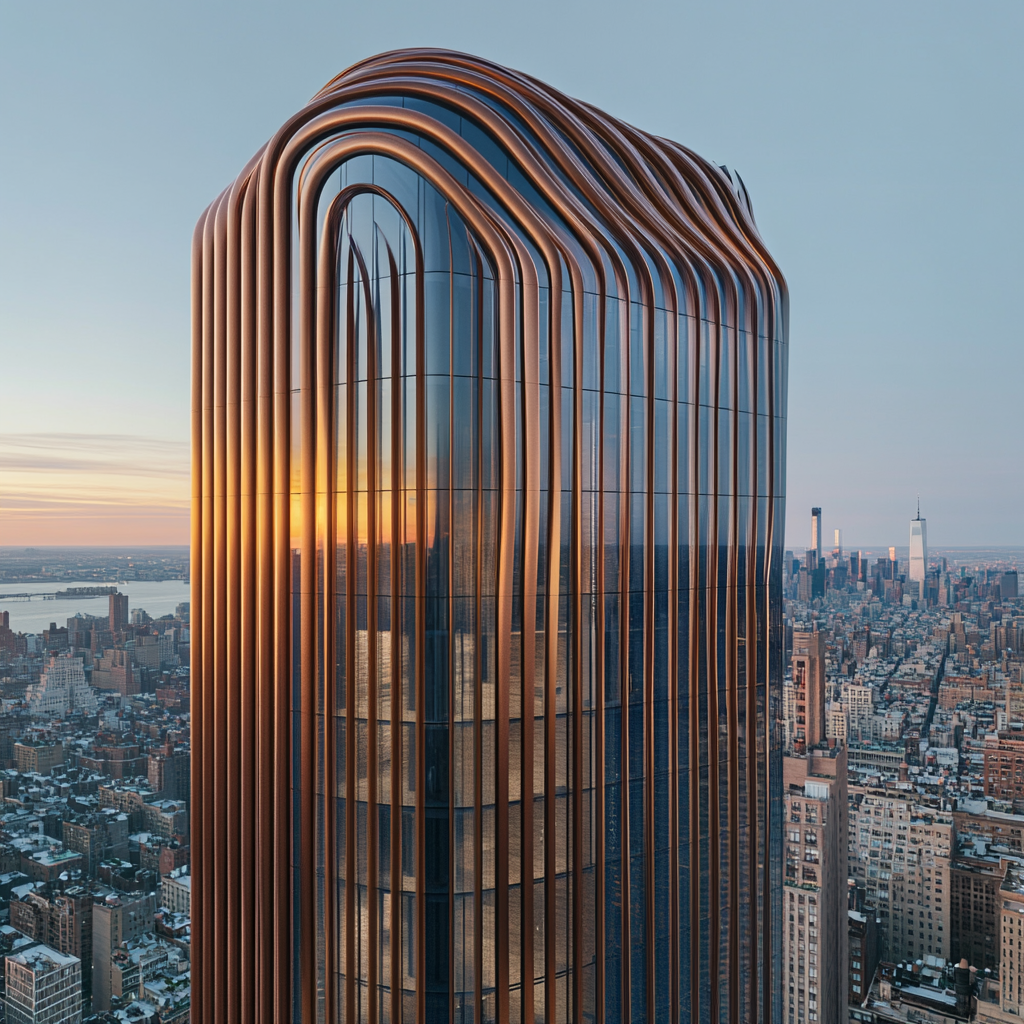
[[531, 569], [904, 355], [921, 767]]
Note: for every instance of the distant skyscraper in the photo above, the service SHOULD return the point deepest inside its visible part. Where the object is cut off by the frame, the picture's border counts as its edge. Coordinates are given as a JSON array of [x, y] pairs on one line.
[[816, 532], [815, 887], [115, 919], [808, 675], [1010, 901], [839, 543], [918, 548], [487, 651], [900, 852], [118, 611]]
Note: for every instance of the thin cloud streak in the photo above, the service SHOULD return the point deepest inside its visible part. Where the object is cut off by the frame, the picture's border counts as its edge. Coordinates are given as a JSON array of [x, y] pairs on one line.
[[116, 453], [97, 488]]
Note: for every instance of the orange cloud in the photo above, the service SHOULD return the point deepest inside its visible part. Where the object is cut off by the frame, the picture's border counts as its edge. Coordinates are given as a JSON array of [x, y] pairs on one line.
[[112, 489]]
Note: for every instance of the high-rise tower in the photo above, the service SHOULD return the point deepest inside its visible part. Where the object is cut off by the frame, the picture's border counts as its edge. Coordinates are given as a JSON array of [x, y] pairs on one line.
[[808, 674], [816, 532], [489, 424], [118, 604], [814, 894], [918, 547]]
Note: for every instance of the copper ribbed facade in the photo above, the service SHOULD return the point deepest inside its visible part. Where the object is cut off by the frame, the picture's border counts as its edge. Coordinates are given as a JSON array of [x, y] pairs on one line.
[[489, 441]]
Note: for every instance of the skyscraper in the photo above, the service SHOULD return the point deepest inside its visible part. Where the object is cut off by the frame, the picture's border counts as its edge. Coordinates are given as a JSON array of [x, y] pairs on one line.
[[489, 442], [918, 548], [912, 854], [815, 933], [808, 674], [118, 618], [115, 920], [816, 532]]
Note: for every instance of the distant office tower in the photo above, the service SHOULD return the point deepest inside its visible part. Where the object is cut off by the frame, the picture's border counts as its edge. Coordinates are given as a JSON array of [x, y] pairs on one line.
[[55, 639], [170, 774], [974, 881], [918, 548], [815, 888], [114, 671], [805, 586], [115, 920], [1008, 585], [816, 532], [1010, 901], [118, 611], [900, 852], [61, 689], [79, 629], [862, 937], [808, 675], [859, 704], [857, 566], [43, 987], [839, 544], [486, 568]]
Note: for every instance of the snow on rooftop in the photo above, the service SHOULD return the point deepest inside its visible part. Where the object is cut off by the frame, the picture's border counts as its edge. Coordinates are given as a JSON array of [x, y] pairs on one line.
[[43, 958]]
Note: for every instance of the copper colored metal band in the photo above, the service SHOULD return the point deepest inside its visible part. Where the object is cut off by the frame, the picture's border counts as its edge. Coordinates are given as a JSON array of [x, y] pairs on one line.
[[629, 219]]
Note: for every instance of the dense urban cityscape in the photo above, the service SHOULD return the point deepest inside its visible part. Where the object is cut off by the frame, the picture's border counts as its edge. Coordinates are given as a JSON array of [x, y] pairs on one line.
[[94, 763], [903, 724], [903, 787]]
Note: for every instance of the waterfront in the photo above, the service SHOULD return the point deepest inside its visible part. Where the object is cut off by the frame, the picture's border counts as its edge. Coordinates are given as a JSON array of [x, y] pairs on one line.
[[32, 616]]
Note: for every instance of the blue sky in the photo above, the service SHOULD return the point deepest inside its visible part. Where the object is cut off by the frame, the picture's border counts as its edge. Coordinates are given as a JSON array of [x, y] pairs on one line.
[[881, 143]]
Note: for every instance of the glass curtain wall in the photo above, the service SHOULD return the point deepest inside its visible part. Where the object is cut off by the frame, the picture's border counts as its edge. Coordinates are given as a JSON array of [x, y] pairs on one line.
[[517, 419]]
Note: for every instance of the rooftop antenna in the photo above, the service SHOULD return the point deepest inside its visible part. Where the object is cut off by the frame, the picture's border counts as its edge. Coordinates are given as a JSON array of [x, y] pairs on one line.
[[919, 506]]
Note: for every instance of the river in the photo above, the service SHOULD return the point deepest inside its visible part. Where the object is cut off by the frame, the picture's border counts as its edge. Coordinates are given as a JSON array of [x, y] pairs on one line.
[[36, 615]]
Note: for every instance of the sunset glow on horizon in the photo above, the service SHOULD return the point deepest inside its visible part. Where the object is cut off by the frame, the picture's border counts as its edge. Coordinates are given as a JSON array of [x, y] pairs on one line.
[[84, 489]]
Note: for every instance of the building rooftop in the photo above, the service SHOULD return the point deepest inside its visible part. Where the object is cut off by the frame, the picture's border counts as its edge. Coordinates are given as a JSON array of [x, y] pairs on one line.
[[42, 958]]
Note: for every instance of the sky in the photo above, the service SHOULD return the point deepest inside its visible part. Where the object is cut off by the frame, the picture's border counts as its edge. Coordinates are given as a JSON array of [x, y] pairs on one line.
[[880, 142]]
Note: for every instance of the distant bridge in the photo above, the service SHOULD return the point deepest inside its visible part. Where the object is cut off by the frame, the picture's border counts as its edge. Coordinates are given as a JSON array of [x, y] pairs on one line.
[[71, 594]]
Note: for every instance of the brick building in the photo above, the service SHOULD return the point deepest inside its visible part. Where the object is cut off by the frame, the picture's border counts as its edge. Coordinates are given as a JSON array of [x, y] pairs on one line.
[[38, 756], [815, 926], [1004, 771], [974, 883]]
